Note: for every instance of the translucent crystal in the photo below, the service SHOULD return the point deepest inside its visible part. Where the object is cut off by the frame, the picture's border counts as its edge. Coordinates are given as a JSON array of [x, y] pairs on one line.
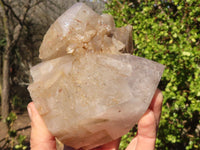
[[86, 90]]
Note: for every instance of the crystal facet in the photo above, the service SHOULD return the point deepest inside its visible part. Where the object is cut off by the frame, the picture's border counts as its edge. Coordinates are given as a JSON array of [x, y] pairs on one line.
[[86, 90]]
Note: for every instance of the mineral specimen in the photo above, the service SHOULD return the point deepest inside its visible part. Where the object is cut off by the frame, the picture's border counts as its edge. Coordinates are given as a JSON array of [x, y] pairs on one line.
[[86, 90]]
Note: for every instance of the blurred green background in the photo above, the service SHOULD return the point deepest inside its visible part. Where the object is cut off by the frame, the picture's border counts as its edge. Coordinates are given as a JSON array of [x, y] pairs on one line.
[[166, 31]]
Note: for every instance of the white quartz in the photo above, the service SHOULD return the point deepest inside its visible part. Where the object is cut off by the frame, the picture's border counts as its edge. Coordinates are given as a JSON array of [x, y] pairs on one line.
[[87, 92]]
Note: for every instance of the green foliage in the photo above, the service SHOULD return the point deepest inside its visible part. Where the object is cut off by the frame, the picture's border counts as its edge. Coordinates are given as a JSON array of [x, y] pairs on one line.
[[18, 103], [20, 140], [10, 119], [13, 140], [169, 32]]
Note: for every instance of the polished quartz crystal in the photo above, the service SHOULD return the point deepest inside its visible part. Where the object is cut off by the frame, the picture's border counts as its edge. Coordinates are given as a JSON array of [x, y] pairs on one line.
[[88, 90]]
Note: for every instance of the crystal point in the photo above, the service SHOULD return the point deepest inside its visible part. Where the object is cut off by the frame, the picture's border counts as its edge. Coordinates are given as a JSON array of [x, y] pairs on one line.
[[86, 90]]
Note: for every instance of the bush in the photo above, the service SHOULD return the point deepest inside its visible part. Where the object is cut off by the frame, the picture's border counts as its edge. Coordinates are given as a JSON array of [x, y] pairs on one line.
[[13, 140], [169, 32]]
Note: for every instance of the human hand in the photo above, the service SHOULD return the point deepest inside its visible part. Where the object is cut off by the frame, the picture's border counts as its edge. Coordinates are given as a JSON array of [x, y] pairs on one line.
[[42, 139], [147, 128]]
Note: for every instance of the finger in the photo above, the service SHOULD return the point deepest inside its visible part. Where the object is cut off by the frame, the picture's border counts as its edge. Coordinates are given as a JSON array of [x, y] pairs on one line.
[[41, 138], [147, 125], [146, 135], [146, 131], [156, 105], [132, 144], [114, 145]]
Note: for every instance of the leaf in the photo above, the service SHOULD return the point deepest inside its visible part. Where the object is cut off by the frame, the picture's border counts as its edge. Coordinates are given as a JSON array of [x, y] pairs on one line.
[[186, 53]]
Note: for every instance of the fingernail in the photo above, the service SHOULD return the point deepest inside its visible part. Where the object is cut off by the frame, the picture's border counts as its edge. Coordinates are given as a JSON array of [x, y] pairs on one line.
[[29, 112]]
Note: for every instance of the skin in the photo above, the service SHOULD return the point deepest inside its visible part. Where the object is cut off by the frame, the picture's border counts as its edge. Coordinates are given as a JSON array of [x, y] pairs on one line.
[[42, 139]]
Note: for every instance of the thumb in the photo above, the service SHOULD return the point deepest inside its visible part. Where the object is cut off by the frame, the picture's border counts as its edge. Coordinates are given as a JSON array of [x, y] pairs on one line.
[[41, 138]]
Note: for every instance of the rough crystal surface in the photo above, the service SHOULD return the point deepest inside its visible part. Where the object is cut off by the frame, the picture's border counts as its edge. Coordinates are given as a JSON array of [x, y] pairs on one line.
[[87, 92]]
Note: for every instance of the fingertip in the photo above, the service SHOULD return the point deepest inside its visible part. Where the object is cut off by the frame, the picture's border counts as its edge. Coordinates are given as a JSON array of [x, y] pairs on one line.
[[30, 104], [29, 109], [159, 95], [157, 100], [156, 105]]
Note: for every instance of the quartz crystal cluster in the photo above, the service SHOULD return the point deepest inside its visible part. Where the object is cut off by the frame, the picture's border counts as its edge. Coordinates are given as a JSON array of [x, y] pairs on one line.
[[87, 91]]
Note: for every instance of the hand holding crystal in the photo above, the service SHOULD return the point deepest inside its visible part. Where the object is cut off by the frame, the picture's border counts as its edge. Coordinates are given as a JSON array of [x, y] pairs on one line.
[[88, 90], [42, 139]]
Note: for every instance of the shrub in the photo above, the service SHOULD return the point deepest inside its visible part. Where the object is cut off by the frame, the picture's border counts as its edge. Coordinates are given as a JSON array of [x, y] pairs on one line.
[[169, 32], [13, 140]]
